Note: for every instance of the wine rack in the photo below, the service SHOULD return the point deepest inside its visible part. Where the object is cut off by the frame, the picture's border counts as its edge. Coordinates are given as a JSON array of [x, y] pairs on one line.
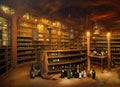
[[64, 40], [99, 42], [99, 51], [5, 46], [51, 38], [53, 60], [115, 49], [82, 41], [99, 61], [5, 60], [26, 52], [73, 44]]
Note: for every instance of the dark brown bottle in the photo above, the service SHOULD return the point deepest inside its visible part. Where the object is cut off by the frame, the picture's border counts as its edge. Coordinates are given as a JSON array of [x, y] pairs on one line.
[[93, 74]]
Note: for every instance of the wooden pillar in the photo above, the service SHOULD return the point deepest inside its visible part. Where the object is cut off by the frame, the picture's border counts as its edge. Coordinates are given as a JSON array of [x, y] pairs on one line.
[[88, 51], [109, 50], [14, 40], [59, 42]]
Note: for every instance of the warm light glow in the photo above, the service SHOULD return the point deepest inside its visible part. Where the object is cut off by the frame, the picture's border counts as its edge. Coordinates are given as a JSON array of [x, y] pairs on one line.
[[40, 27], [40, 35], [59, 32], [88, 34], [108, 34], [36, 20], [26, 15], [7, 9], [97, 31], [52, 23], [58, 24]]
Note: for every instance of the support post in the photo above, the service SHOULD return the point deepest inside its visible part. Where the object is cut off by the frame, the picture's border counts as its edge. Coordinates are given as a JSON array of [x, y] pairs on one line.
[[109, 50], [88, 51]]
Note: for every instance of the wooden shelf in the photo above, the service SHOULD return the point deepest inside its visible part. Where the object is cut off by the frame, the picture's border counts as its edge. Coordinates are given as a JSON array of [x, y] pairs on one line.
[[25, 49], [115, 48], [5, 59], [27, 53], [66, 57], [69, 62], [99, 43], [99, 61], [99, 57], [26, 58]]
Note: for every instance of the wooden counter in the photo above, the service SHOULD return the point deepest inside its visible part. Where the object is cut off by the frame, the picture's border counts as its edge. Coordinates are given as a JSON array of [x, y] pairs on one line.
[[101, 61]]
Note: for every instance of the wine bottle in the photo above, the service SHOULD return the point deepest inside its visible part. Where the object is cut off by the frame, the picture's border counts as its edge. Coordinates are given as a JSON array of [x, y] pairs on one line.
[[32, 71], [93, 74], [80, 74], [62, 72], [84, 74], [68, 73], [71, 71], [90, 73], [65, 72], [112, 64], [78, 70], [74, 70]]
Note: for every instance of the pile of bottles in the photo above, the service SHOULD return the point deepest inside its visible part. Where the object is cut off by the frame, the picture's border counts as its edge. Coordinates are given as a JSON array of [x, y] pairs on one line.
[[73, 72], [35, 71], [101, 52]]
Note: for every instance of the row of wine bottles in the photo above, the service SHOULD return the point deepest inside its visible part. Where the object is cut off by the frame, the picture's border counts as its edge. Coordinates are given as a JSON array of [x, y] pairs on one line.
[[26, 56], [72, 72], [115, 49], [25, 39], [99, 52], [64, 53], [66, 66], [58, 60], [26, 52]]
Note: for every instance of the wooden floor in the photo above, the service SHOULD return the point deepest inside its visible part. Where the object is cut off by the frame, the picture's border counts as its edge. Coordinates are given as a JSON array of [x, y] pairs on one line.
[[19, 77]]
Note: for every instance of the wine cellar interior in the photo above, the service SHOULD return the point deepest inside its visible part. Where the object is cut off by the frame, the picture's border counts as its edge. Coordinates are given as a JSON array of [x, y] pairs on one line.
[[71, 43]]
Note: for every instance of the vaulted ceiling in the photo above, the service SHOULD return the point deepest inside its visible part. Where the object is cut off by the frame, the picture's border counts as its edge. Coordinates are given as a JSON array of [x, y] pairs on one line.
[[71, 12]]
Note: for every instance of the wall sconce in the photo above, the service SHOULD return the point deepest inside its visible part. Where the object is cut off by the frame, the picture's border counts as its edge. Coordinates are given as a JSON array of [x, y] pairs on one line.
[[96, 29], [108, 35], [88, 34], [40, 27]]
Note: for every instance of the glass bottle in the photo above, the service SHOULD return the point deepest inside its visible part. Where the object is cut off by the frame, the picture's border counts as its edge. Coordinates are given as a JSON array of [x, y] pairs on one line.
[[93, 74], [32, 71], [62, 72]]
